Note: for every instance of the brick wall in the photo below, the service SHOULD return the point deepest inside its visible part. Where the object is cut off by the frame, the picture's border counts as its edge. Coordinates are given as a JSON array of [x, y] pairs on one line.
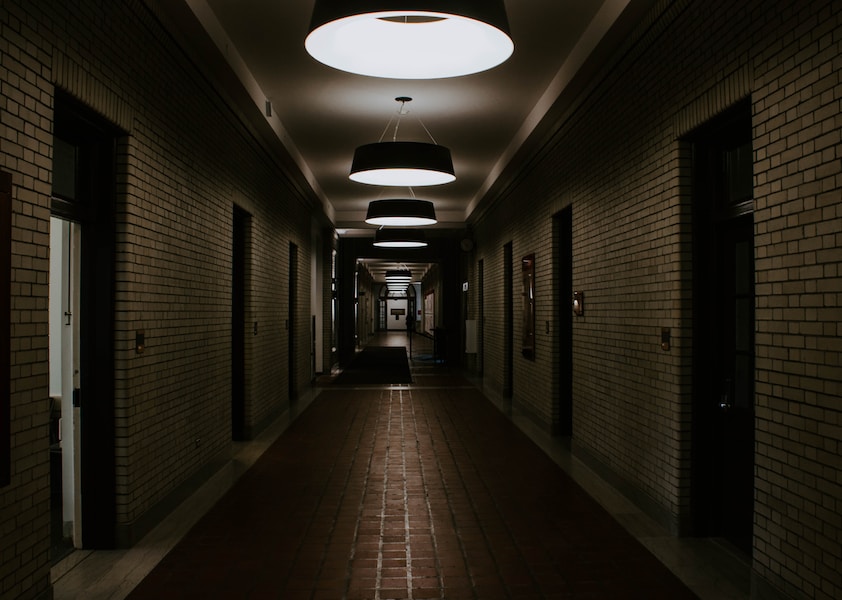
[[185, 161], [620, 162], [25, 135], [797, 97]]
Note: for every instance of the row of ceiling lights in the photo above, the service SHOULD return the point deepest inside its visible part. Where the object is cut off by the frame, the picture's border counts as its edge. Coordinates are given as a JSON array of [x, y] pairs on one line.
[[436, 40]]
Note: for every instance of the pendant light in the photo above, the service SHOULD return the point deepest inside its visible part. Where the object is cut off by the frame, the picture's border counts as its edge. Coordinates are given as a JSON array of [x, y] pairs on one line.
[[410, 39], [401, 212], [397, 280], [399, 238], [394, 286], [411, 164], [403, 164]]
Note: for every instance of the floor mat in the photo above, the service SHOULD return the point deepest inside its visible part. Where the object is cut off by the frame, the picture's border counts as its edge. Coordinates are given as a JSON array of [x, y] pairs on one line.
[[377, 365]]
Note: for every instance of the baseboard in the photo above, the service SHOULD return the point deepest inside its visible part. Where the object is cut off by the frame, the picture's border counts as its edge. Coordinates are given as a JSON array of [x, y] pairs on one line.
[[250, 433], [535, 419], [764, 589], [127, 535], [638, 497]]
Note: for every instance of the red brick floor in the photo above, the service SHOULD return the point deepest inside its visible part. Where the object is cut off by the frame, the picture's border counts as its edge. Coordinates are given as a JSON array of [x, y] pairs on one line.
[[407, 494]]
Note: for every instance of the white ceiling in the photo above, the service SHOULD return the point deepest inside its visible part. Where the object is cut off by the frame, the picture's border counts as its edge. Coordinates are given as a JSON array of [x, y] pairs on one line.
[[321, 115]]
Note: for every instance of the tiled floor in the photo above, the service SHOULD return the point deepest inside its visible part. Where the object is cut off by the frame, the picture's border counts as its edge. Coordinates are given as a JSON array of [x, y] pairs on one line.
[[418, 491]]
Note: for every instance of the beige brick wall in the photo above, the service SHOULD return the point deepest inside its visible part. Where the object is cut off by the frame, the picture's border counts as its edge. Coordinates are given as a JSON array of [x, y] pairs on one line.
[[25, 146], [186, 160], [619, 161], [797, 99]]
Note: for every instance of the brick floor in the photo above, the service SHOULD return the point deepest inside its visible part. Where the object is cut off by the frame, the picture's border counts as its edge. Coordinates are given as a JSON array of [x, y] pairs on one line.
[[407, 493]]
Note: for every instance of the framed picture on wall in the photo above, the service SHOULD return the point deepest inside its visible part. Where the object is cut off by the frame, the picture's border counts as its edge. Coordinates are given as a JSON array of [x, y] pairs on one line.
[[527, 264]]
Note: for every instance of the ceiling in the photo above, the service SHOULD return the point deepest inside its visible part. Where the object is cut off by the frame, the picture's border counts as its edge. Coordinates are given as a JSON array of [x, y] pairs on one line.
[[320, 115]]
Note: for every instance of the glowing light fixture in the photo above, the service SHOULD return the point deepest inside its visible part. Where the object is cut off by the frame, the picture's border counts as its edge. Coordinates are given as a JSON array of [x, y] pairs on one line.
[[403, 275], [409, 164], [410, 39], [397, 280], [404, 164], [406, 212], [399, 238]]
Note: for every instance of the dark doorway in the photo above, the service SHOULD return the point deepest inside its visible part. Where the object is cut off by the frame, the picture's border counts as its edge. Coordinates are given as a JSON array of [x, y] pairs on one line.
[[238, 325], [724, 329], [293, 309], [508, 320], [563, 233], [84, 151], [481, 316], [5, 324]]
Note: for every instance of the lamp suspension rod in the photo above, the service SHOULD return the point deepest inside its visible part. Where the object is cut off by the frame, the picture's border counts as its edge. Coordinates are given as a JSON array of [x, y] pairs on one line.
[[388, 125], [397, 124], [401, 112]]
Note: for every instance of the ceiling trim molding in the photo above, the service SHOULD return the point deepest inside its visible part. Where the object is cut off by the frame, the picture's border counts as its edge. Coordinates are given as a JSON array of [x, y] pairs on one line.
[[571, 86], [196, 29]]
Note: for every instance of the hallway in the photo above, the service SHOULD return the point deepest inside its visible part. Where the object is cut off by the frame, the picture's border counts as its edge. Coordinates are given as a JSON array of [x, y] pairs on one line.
[[424, 490]]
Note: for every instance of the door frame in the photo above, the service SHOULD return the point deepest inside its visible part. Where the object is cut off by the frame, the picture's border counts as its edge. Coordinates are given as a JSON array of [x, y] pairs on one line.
[[508, 320], [480, 316], [93, 208], [5, 325], [292, 329], [713, 217], [239, 291], [563, 374]]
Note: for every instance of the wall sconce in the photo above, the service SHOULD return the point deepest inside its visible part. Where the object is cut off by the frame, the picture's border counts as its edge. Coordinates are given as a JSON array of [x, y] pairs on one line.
[[578, 303]]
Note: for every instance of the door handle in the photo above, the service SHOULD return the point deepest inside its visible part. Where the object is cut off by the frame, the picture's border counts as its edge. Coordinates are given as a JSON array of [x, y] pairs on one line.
[[725, 397]]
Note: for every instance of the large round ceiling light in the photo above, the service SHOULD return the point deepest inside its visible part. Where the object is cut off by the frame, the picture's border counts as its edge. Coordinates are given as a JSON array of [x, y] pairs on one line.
[[406, 39]]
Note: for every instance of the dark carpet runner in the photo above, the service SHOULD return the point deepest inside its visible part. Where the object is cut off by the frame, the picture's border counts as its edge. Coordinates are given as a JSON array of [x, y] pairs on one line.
[[377, 365]]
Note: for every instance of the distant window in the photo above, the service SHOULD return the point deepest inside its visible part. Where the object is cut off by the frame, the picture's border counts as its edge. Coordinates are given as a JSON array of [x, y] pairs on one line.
[[65, 159], [739, 179]]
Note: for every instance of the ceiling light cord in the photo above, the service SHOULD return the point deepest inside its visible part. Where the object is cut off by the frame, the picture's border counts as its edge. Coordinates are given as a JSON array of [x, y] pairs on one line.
[[402, 111], [402, 163], [397, 124], [388, 125], [427, 130]]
